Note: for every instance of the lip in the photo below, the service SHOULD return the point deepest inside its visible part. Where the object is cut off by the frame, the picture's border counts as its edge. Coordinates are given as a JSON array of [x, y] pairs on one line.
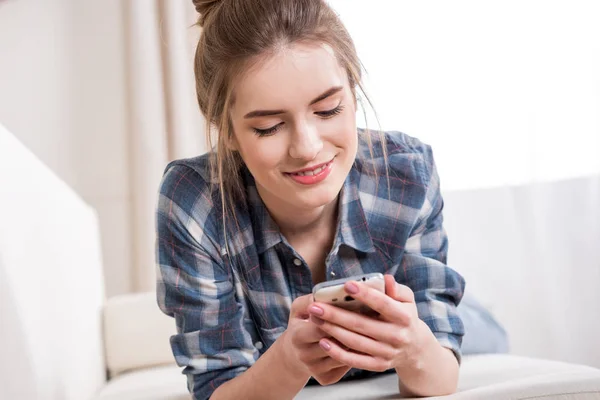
[[308, 180], [311, 168]]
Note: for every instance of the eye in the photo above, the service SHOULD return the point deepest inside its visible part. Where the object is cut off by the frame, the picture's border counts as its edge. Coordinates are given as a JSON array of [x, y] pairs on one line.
[[330, 113], [267, 132]]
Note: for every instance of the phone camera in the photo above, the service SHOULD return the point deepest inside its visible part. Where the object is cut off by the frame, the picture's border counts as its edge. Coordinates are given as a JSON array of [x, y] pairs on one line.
[[348, 298], [364, 279]]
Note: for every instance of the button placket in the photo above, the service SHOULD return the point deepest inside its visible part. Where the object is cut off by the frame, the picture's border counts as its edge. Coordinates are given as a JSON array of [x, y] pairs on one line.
[[299, 276], [330, 263]]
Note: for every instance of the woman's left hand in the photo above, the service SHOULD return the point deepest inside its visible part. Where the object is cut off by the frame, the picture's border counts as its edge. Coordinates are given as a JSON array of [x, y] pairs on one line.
[[395, 339]]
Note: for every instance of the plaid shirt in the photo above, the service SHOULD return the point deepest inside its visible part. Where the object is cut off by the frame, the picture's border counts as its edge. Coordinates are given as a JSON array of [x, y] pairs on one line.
[[230, 303]]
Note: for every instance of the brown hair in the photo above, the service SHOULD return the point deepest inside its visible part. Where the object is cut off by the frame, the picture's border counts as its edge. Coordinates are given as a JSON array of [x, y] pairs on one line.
[[236, 33]]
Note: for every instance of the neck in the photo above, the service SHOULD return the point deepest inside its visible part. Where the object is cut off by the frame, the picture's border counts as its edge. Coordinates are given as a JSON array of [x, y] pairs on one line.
[[295, 222]]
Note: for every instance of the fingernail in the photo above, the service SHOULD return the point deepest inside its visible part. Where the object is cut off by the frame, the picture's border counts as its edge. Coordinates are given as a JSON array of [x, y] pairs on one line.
[[351, 288], [324, 345], [316, 310]]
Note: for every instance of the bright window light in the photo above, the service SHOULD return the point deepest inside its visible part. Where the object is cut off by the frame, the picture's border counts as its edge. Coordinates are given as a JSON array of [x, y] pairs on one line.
[[506, 92]]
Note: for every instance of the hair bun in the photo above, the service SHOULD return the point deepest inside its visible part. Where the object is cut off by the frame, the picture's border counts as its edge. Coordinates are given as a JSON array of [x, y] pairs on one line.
[[205, 8]]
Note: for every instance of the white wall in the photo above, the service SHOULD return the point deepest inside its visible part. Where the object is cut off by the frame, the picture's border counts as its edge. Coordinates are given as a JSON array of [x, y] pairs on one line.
[[507, 92], [530, 253], [63, 94]]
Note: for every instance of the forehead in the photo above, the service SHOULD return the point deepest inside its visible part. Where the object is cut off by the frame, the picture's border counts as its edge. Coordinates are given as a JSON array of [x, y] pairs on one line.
[[292, 76]]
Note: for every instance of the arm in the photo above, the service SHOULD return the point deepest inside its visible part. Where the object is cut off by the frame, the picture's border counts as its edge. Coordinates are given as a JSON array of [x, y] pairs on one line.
[[197, 288], [271, 377], [418, 331], [437, 291], [285, 368], [437, 375], [397, 338]]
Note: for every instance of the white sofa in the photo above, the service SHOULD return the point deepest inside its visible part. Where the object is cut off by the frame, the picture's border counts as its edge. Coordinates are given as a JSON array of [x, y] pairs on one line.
[[60, 339], [140, 361]]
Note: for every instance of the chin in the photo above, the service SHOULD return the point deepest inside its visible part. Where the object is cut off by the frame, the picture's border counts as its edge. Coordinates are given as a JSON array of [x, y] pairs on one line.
[[316, 203], [318, 198]]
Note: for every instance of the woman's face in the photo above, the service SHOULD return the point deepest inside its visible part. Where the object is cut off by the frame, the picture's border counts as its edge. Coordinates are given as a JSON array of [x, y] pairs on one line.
[[294, 122]]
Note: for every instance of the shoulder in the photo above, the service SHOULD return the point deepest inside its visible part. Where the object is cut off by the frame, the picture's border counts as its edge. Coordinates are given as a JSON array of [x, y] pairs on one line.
[[188, 198], [405, 157], [185, 180], [393, 186], [195, 169], [399, 142]]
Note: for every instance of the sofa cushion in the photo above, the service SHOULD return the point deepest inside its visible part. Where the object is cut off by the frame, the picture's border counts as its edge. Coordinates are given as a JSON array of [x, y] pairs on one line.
[[156, 383], [481, 377], [490, 376], [136, 333]]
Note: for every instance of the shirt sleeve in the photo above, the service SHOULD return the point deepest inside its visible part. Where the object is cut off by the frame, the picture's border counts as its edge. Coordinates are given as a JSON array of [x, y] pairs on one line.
[[195, 287], [438, 289]]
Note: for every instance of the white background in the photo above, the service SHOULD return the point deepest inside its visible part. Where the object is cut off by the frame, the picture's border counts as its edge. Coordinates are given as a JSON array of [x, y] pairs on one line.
[[506, 92]]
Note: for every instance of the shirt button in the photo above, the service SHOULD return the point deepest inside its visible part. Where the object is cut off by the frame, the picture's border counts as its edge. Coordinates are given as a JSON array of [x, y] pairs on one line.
[[258, 345], [297, 262], [332, 273]]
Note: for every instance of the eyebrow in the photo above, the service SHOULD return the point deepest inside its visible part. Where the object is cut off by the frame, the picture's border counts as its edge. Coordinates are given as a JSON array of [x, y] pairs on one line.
[[266, 113]]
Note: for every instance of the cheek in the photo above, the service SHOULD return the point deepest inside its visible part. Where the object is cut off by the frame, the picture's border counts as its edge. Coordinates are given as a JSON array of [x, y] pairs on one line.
[[263, 154], [346, 134]]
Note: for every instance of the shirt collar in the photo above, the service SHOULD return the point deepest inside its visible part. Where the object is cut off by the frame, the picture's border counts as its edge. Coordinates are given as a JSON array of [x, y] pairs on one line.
[[352, 229], [266, 231]]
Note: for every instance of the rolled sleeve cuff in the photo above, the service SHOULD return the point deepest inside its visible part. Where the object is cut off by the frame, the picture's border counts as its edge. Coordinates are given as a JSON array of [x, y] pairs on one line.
[[450, 341], [202, 386]]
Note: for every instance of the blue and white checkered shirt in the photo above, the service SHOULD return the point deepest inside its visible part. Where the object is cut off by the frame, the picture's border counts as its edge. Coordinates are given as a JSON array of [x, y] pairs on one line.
[[230, 303]]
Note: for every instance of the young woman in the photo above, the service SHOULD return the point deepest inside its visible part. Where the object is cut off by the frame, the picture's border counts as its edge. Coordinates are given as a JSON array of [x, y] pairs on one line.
[[293, 194]]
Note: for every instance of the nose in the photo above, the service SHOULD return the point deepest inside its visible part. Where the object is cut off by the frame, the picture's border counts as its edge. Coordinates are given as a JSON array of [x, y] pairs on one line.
[[306, 143]]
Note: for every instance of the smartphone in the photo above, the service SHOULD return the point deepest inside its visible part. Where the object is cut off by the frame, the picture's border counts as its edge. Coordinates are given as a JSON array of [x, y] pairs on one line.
[[332, 292]]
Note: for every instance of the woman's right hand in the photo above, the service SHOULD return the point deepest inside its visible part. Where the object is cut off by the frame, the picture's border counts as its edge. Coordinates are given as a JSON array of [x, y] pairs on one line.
[[301, 345]]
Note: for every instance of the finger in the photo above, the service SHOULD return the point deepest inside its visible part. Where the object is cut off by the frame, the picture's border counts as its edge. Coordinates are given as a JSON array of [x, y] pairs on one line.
[[300, 305], [324, 364], [389, 308], [353, 321], [309, 333], [382, 331], [357, 342], [353, 359], [332, 376], [397, 291], [310, 354]]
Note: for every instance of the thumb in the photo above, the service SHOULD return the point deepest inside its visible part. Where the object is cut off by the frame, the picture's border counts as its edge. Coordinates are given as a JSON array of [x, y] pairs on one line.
[[390, 285], [397, 291], [300, 306]]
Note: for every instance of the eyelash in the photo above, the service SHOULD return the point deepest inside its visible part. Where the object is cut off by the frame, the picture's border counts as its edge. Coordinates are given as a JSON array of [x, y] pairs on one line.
[[323, 114], [331, 113]]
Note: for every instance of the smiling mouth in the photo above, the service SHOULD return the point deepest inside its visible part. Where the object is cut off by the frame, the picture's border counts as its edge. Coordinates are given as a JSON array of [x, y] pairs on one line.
[[310, 172]]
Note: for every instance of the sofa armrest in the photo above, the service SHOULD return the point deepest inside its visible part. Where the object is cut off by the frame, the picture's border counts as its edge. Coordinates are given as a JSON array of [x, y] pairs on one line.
[[136, 333]]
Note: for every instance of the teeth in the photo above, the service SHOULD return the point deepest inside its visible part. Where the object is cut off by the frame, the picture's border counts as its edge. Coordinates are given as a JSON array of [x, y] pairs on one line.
[[311, 173]]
